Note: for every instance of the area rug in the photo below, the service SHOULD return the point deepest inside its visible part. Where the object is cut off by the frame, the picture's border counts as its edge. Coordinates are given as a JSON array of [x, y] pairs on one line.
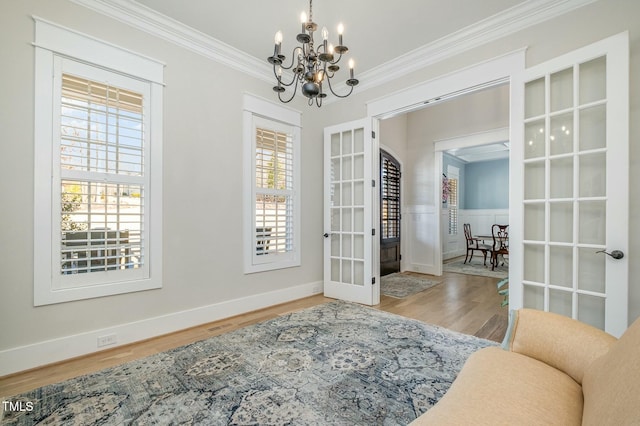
[[333, 364], [475, 267], [401, 285]]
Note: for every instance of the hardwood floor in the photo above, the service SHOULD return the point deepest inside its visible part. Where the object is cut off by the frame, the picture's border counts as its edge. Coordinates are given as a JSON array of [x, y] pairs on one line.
[[464, 303]]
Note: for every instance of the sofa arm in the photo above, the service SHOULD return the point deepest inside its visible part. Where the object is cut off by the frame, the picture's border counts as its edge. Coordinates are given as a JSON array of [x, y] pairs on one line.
[[561, 342]]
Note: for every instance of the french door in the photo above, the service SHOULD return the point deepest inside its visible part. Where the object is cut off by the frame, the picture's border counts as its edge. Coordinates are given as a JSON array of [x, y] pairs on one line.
[[348, 213], [571, 191]]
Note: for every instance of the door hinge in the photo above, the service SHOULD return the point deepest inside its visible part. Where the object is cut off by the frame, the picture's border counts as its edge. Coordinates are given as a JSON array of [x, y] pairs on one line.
[[373, 134], [373, 280], [373, 231], [373, 183]]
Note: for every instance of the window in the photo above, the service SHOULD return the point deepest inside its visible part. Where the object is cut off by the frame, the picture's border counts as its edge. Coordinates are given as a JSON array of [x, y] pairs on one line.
[[451, 183], [453, 206], [390, 197], [98, 145], [272, 222]]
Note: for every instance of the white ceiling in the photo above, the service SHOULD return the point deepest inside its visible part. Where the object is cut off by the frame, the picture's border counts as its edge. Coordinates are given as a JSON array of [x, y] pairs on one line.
[[376, 31], [387, 39], [473, 154]]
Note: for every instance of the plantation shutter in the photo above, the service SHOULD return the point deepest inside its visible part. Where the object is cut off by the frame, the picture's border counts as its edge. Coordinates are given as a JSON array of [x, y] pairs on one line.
[[274, 192], [390, 197], [453, 206], [102, 168]]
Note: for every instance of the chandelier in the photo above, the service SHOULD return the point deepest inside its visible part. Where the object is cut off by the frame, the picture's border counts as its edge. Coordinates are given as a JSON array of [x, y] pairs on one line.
[[311, 66]]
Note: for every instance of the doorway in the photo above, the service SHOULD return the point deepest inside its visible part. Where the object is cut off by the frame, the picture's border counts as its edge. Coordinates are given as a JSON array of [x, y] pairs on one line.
[[479, 163], [390, 214]]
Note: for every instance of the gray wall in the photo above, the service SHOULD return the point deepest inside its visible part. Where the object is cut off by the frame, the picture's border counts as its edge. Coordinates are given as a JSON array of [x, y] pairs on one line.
[[202, 174], [203, 165]]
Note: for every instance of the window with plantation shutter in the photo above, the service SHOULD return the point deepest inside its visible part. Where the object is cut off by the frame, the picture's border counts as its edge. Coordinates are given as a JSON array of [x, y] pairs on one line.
[[453, 206], [98, 196], [272, 182], [274, 192], [390, 198], [102, 177]]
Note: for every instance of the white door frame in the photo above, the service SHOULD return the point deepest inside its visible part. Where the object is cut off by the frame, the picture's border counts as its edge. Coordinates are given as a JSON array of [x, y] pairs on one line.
[[487, 74]]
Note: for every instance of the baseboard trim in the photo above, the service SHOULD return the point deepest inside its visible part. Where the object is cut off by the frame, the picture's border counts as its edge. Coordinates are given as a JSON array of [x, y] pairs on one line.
[[27, 357], [422, 268]]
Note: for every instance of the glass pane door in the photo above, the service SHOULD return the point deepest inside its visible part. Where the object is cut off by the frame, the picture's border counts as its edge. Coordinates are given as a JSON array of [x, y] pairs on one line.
[[348, 272], [575, 176]]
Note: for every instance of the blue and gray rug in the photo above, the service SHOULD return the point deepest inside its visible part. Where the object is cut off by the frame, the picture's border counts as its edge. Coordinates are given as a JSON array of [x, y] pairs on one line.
[[401, 285], [333, 364]]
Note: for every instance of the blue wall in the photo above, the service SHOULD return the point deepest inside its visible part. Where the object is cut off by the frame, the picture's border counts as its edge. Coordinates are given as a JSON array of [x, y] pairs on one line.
[[483, 185], [486, 185]]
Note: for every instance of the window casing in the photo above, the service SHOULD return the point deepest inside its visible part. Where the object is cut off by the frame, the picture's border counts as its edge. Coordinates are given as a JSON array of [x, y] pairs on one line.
[[271, 182], [98, 162]]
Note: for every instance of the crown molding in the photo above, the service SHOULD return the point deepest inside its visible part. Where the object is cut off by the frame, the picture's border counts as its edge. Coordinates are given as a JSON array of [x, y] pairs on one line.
[[482, 32], [510, 21], [145, 19]]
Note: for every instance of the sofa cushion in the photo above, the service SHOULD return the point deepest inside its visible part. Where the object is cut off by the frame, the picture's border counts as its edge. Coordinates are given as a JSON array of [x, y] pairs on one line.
[[564, 343], [611, 384], [499, 387]]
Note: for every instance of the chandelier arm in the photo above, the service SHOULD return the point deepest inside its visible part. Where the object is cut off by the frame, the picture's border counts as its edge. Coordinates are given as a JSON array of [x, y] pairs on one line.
[[335, 94], [337, 60], [294, 57], [279, 78], [295, 90]]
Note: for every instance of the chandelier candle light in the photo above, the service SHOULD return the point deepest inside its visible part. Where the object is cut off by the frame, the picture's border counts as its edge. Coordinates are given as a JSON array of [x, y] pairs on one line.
[[311, 66]]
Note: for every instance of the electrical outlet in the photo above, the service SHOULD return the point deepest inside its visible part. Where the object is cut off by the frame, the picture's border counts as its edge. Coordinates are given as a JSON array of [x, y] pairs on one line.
[[107, 340]]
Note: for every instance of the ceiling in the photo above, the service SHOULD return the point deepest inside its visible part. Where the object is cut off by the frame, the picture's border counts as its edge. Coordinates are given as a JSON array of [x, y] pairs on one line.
[[473, 154], [386, 39], [376, 31]]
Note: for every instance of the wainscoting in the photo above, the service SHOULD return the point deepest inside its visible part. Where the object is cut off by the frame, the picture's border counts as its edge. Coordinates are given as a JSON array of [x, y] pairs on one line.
[[418, 249]]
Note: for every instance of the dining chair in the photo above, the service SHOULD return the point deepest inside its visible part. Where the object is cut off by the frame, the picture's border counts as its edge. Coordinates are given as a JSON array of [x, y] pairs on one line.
[[473, 244], [500, 246]]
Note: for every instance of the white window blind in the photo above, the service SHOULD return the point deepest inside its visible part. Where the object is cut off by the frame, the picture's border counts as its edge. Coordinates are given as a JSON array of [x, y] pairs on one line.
[[102, 177], [453, 206], [274, 195]]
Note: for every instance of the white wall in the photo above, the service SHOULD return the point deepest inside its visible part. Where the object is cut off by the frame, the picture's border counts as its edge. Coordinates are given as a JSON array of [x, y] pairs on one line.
[[202, 265], [203, 276]]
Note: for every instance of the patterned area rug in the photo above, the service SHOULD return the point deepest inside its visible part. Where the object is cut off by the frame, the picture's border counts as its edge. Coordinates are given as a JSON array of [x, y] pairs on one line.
[[334, 364], [475, 267], [401, 285]]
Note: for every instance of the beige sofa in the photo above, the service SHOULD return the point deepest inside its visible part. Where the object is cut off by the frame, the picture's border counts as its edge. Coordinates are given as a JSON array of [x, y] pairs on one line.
[[552, 370]]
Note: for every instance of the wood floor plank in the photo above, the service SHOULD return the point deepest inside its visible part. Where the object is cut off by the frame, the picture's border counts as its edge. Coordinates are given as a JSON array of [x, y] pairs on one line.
[[465, 303]]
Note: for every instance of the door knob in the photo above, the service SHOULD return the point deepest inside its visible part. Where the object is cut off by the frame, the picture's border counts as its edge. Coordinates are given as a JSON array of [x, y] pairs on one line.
[[326, 235], [616, 254]]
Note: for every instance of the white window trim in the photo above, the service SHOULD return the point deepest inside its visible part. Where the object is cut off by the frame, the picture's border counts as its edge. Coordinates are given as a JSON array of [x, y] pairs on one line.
[[51, 43], [256, 109]]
